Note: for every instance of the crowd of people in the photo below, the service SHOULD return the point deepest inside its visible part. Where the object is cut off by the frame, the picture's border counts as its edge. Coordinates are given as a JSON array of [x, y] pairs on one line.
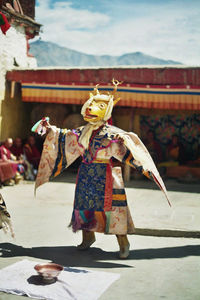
[[18, 160], [173, 155]]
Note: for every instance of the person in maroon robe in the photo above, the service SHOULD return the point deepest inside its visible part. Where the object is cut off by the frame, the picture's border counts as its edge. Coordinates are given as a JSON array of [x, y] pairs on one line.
[[31, 151], [7, 156], [17, 148]]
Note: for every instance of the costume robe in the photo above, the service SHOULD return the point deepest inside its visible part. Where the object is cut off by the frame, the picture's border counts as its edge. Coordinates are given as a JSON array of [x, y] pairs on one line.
[[100, 202]]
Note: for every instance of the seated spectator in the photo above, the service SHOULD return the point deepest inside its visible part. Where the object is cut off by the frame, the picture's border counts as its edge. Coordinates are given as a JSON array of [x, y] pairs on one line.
[[7, 156], [175, 154], [196, 161], [17, 148], [175, 151], [32, 153], [7, 173], [153, 147]]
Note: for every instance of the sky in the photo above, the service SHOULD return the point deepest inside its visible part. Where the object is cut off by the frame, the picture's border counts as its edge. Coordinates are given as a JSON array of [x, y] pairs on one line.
[[168, 29]]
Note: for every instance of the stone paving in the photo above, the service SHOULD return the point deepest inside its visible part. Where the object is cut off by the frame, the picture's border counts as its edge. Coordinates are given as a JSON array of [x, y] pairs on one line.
[[158, 267]]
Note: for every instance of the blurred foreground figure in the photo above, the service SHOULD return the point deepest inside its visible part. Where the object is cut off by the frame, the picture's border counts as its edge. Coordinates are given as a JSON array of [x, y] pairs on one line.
[[5, 222], [100, 203]]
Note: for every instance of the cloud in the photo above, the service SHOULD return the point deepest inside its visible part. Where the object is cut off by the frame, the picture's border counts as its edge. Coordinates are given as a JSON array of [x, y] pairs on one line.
[[62, 14], [161, 31]]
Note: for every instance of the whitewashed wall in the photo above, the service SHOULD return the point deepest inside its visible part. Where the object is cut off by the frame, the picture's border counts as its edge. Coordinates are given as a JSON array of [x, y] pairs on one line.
[[13, 48]]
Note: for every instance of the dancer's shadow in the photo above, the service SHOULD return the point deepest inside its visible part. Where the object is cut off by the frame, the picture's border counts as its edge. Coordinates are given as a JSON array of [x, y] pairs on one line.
[[66, 255], [95, 257]]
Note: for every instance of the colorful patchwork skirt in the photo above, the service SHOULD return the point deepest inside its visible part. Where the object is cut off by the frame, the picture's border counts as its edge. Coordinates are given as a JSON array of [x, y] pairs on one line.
[[100, 203]]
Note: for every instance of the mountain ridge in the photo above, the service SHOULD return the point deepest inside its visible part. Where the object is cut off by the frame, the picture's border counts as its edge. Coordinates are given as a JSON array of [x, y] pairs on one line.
[[62, 56]]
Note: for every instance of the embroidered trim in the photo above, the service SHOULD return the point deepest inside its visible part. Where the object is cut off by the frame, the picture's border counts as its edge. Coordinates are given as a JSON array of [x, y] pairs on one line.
[[119, 197], [96, 152], [119, 203], [108, 189], [61, 161]]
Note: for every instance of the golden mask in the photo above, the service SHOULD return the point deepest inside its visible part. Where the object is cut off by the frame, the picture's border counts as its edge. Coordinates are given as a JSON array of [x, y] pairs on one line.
[[99, 106]]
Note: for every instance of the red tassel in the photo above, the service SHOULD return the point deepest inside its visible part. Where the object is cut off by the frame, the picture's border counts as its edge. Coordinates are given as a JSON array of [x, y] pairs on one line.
[[110, 121], [5, 26]]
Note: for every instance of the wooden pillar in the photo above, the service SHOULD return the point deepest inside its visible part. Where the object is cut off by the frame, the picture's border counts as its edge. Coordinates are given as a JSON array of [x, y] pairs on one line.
[[134, 125], [127, 168]]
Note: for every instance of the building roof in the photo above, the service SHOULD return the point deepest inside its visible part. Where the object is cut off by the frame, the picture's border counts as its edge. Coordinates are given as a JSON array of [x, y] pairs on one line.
[[14, 17], [143, 87]]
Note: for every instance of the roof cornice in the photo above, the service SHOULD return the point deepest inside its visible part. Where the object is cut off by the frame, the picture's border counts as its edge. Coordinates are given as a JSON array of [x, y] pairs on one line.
[[17, 18]]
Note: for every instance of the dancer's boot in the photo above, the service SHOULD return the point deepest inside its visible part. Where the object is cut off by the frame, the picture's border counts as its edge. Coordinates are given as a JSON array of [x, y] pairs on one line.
[[123, 246], [88, 240]]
